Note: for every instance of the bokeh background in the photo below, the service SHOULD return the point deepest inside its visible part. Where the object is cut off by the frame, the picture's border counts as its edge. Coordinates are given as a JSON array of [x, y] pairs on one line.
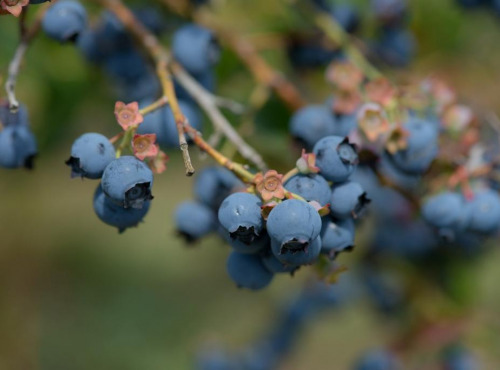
[[74, 294]]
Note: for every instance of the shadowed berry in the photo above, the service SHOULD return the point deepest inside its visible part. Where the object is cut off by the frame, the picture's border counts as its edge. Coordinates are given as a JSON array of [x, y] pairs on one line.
[[247, 271], [115, 215], [194, 220]]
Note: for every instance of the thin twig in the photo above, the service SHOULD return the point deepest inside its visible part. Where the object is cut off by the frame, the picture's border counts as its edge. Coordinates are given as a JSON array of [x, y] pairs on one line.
[[27, 35], [205, 99]]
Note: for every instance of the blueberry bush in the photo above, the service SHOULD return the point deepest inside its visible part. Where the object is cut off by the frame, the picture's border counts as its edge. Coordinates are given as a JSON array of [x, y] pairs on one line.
[[345, 154]]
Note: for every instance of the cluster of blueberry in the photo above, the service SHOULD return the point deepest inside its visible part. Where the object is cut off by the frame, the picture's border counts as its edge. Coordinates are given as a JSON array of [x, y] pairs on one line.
[[394, 44], [122, 198], [271, 237]]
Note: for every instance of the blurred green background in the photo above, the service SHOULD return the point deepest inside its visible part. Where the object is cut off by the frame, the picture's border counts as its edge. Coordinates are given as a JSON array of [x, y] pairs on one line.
[[76, 295]]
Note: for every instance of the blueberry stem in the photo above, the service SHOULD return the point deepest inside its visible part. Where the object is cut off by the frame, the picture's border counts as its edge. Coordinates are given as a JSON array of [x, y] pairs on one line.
[[27, 36]]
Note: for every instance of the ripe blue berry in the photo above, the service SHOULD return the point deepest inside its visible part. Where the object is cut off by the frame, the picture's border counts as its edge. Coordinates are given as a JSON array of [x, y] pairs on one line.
[[194, 220], [240, 215], [297, 257], [247, 271], [310, 187], [115, 215], [444, 210], [162, 123], [195, 48], [127, 181], [485, 212], [65, 20], [311, 123], [336, 158], [17, 147], [293, 224], [90, 154], [337, 236], [276, 266], [213, 184], [348, 200], [422, 146]]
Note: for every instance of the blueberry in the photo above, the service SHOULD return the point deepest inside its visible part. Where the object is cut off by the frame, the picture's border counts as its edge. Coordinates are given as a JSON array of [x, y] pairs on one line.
[[115, 215], [348, 200], [422, 146], [293, 224], [310, 187], [194, 220], [444, 210], [17, 147], [336, 236], [127, 181], [65, 20], [240, 215], [90, 154], [297, 257], [260, 243], [206, 79], [213, 184], [396, 47], [195, 48], [311, 123], [485, 212], [161, 122], [276, 266], [247, 271], [336, 158]]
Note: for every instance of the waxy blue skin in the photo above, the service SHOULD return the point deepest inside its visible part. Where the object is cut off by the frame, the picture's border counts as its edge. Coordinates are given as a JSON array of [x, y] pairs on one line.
[[348, 200], [444, 210], [293, 221], [65, 20], [485, 211], [127, 181], [90, 154], [195, 48], [240, 215], [213, 184], [422, 146], [335, 158], [310, 187], [247, 271], [305, 256], [274, 265], [114, 215], [17, 147], [194, 220], [311, 123], [336, 236], [162, 123]]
